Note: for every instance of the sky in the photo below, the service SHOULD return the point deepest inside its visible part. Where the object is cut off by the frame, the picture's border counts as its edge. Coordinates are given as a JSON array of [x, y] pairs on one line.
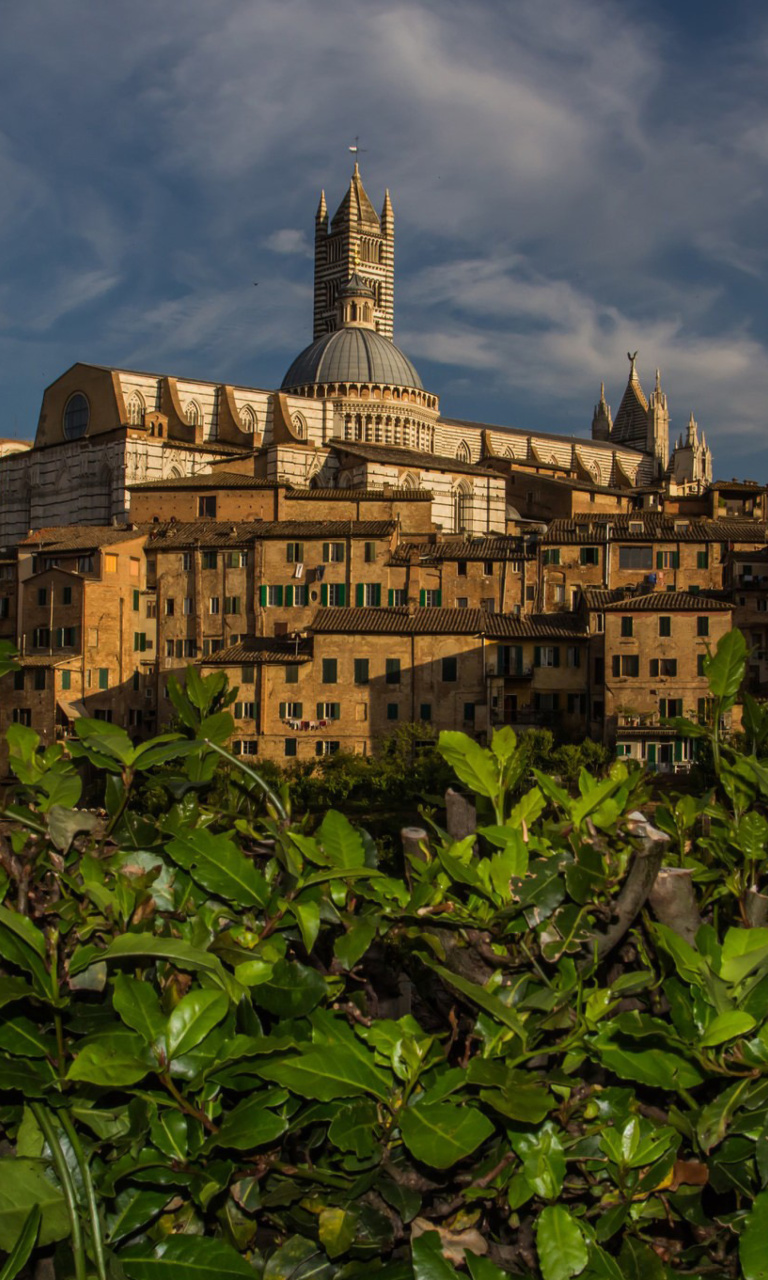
[[571, 180]]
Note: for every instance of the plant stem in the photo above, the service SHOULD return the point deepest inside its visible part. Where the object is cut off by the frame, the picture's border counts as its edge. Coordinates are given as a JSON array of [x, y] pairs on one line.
[[67, 1186], [187, 1107], [98, 1247]]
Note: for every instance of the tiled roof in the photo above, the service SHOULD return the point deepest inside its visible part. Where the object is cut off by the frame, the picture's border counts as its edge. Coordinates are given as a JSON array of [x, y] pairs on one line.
[[229, 533], [652, 526], [601, 597], [403, 457], [217, 480], [669, 602], [740, 486], [538, 437], [499, 548], [462, 622], [74, 537], [361, 495], [259, 651], [43, 660]]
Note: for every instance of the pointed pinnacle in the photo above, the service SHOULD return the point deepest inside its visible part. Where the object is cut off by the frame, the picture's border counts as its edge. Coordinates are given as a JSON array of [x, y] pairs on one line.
[[322, 208]]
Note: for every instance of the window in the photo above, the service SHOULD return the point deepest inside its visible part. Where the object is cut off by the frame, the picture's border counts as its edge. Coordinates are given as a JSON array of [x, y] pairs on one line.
[[670, 707], [392, 671], [663, 667], [558, 593], [333, 552], [41, 638], [66, 680], [76, 413], [190, 648], [135, 601], [326, 748], [462, 602], [247, 747], [291, 673], [187, 606], [635, 557], [627, 626], [186, 560], [545, 701], [461, 569], [576, 703], [301, 594], [702, 626], [530, 593], [665, 626], [85, 564], [5, 606], [101, 713], [469, 712], [236, 559], [702, 560], [430, 599], [626, 664], [551, 556], [247, 674], [667, 559], [449, 669], [169, 649], [136, 680], [139, 641], [231, 605], [573, 656], [151, 608], [42, 595], [103, 677], [361, 670], [337, 594], [330, 671], [393, 711], [210, 559], [328, 710], [245, 710], [425, 711], [396, 598], [18, 680], [207, 506], [291, 710], [39, 681], [368, 595], [133, 567], [488, 568], [289, 747], [110, 563], [700, 660], [213, 604], [294, 552], [66, 637], [22, 715], [546, 655], [589, 555], [170, 606], [370, 553]]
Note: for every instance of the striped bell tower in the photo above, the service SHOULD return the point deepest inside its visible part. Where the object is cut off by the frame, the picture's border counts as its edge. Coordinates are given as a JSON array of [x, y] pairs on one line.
[[357, 242]]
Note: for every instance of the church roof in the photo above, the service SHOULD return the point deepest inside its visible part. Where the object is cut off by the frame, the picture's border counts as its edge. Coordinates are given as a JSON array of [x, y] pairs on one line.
[[355, 207], [631, 423], [352, 355]]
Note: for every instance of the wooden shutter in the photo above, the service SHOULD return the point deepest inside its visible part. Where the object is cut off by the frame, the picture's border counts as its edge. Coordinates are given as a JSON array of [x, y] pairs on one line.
[[439, 598], [616, 664], [519, 658], [422, 598], [324, 594], [326, 552], [289, 595], [659, 559], [537, 656], [359, 595], [556, 656], [377, 594], [262, 596], [281, 710]]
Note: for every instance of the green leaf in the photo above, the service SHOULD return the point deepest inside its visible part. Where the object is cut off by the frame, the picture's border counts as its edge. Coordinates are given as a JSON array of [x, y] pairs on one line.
[[725, 668], [293, 990], [483, 1269], [336, 1229], [24, 929], [343, 845], [13, 989], [135, 1211], [485, 1000], [441, 1133], [352, 945], [474, 765], [192, 1019], [298, 1259], [23, 1185], [753, 1254], [134, 946], [743, 950], [219, 866], [185, 1258], [307, 916], [726, 1026], [139, 1007], [353, 1128], [639, 1262], [24, 1245], [328, 1072], [428, 1260], [107, 1064], [250, 1124], [560, 1243], [23, 1038]]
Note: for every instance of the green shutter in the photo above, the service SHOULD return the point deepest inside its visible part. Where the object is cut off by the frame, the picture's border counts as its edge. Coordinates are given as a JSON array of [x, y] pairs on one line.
[[439, 598], [556, 656], [390, 598], [281, 711], [422, 598], [576, 656], [289, 595], [326, 552], [341, 593], [320, 710], [659, 559], [519, 657], [678, 749], [651, 756], [676, 560], [324, 593], [377, 594], [335, 710], [136, 600], [359, 595], [279, 595], [262, 596], [299, 710], [537, 656]]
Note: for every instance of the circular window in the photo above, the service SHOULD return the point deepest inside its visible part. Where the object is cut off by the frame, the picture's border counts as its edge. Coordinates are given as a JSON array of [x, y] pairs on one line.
[[76, 416]]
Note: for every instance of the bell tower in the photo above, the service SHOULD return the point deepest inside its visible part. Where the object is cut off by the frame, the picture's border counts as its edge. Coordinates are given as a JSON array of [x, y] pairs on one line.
[[357, 242]]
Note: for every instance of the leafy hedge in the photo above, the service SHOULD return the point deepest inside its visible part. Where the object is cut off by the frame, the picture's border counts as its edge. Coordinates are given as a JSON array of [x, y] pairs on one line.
[[244, 1046]]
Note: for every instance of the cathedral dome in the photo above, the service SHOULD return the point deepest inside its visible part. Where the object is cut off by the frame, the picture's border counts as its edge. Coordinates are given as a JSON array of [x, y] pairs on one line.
[[352, 354]]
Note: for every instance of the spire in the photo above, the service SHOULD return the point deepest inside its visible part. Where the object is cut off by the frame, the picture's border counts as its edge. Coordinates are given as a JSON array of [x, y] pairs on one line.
[[692, 430], [322, 209], [601, 418], [355, 208], [387, 212]]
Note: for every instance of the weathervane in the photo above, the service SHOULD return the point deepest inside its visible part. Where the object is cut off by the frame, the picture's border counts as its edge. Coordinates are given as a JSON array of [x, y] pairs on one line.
[[357, 149]]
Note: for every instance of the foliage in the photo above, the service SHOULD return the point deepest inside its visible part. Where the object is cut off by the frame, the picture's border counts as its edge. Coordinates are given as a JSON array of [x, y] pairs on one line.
[[232, 1044]]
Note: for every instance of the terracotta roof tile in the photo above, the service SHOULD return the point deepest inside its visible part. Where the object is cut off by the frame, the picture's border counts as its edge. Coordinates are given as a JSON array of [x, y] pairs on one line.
[[86, 537], [172, 535], [670, 602], [403, 457], [498, 548], [360, 495], [260, 651], [465, 622], [645, 526], [219, 480]]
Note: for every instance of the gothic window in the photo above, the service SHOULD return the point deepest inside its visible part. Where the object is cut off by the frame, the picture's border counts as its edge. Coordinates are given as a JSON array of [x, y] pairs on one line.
[[76, 414], [299, 426], [136, 409], [409, 482], [509, 452], [248, 419], [463, 453], [194, 414], [462, 509]]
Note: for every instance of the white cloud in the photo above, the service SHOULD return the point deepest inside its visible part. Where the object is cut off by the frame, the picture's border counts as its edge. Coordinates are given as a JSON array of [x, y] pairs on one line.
[[289, 240]]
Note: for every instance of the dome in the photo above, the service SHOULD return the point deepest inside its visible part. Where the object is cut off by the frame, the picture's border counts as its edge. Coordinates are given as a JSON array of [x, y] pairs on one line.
[[352, 355]]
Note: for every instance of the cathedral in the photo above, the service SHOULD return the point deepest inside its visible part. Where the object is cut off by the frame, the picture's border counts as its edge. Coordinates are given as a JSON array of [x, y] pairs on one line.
[[350, 412]]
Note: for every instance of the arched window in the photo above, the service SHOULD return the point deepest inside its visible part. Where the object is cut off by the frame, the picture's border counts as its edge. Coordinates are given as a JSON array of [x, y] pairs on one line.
[[76, 415], [409, 482], [135, 408], [462, 509], [248, 419], [299, 425], [462, 453], [194, 414]]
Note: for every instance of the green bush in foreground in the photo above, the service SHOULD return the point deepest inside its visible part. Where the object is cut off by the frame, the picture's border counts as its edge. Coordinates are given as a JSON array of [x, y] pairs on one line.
[[243, 1048]]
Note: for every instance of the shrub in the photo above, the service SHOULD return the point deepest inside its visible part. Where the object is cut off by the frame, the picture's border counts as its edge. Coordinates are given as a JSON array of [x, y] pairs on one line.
[[229, 1046]]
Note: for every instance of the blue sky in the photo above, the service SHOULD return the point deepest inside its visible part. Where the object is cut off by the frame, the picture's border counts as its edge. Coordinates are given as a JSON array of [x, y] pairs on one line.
[[571, 179]]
